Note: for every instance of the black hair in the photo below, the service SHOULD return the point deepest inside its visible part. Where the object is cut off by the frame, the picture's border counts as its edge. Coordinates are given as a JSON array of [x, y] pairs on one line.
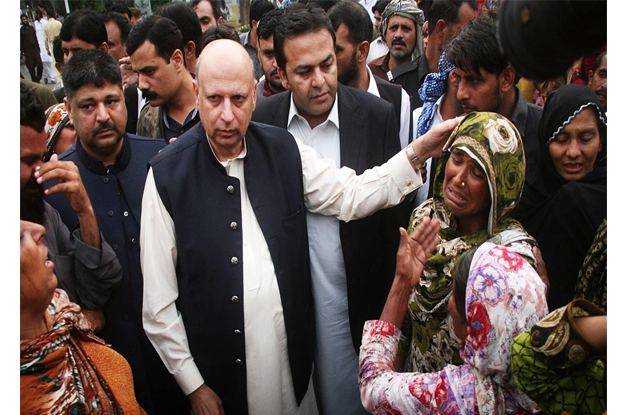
[[161, 31], [214, 5], [476, 47], [380, 5], [460, 273], [84, 25], [299, 19], [123, 10], [38, 14], [447, 10], [90, 67], [325, 5], [220, 31], [23, 15], [598, 61], [31, 111], [267, 25], [355, 18], [122, 23], [57, 50], [187, 21], [259, 7], [135, 12]]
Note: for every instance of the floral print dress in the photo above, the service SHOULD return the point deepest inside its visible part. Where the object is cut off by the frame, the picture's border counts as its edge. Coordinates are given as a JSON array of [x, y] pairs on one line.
[[427, 341], [504, 297]]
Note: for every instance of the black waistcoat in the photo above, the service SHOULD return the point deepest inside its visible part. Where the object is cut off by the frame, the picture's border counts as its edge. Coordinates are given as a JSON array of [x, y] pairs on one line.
[[205, 204]]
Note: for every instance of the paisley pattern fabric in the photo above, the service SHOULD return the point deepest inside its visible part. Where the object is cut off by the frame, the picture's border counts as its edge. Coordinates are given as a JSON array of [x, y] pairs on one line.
[[57, 375], [433, 87], [555, 366], [592, 282], [428, 341], [504, 297]]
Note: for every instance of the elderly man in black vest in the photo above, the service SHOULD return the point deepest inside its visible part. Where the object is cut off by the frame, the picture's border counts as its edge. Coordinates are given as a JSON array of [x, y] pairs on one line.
[[224, 244]]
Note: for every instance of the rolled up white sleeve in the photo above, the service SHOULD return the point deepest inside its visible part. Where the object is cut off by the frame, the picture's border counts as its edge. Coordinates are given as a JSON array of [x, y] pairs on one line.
[[161, 320], [342, 193]]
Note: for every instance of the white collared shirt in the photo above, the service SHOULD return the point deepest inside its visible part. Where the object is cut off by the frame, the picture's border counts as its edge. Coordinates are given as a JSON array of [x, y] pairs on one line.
[[404, 117], [327, 190]]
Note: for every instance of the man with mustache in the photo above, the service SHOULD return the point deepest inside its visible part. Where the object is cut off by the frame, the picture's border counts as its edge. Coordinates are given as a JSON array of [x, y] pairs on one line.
[[446, 18], [401, 21], [598, 79], [156, 49], [270, 84], [353, 262], [486, 82], [112, 165], [85, 265]]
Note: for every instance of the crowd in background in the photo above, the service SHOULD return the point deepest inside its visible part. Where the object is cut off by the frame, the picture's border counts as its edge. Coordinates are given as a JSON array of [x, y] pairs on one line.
[[391, 206]]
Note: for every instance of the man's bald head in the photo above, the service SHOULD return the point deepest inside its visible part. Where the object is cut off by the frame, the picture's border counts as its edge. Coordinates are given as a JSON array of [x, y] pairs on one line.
[[224, 55], [226, 95]]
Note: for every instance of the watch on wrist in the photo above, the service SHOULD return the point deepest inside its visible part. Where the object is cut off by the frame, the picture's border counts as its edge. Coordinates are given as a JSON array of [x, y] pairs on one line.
[[413, 158]]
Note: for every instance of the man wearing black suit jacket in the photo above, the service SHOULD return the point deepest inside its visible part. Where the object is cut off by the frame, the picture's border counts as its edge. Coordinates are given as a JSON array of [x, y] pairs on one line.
[[352, 264], [350, 21]]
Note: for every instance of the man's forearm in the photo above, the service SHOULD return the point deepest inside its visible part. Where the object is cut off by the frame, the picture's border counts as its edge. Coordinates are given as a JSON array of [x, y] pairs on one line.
[[89, 229]]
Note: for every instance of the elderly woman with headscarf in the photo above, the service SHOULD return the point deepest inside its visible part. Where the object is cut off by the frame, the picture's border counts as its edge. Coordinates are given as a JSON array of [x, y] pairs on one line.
[[64, 367], [476, 190], [60, 134], [496, 295], [565, 199]]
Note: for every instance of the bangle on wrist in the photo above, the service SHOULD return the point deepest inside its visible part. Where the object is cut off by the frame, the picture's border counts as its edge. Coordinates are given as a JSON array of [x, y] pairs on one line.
[[413, 158]]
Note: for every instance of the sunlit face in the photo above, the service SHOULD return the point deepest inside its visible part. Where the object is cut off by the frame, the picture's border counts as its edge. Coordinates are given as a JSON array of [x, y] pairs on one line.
[[575, 149], [205, 13], [460, 327], [347, 64], [32, 149], [599, 82], [37, 279], [401, 37], [267, 59], [466, 192], [226, 100], [478, 91], [99, 118], [311, 74], [114, 39], [159, 81]]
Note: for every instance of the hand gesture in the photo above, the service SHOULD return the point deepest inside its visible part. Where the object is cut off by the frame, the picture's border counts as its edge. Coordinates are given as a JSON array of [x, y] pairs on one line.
[[431, 143], [204, 401], [129, 76], [414, 249], [68, 182]]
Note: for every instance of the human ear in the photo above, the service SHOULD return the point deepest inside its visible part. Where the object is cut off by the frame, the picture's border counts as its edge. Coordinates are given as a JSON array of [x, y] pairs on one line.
[[507, 79], [362, 51], [283, 79]]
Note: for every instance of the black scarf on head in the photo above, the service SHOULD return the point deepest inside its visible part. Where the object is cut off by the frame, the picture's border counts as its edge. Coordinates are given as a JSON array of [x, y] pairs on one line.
[[564, 215]]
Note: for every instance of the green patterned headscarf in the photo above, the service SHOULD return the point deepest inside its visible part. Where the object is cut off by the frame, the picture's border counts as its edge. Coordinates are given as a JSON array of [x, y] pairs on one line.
[[494, 142]]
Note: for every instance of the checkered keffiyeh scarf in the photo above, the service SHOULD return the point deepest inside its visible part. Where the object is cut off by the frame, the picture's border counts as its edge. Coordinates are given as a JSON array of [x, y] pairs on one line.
[[432, 89]]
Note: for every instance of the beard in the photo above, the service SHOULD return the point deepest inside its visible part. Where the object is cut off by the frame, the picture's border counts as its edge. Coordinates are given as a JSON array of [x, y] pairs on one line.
[[350, 73], [32, 205]]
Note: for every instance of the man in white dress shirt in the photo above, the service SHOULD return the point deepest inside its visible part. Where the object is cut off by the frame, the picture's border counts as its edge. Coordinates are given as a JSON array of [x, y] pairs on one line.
[[196, 241]]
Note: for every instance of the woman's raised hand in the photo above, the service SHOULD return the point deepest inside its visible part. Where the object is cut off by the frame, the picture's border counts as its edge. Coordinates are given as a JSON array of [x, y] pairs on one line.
[[414, 249]]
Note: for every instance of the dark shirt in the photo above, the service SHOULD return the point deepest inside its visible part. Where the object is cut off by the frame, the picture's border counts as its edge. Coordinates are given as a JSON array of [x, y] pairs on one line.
[[29, 45], [526, 118], [174, 129], [409, 75], [115, 192]]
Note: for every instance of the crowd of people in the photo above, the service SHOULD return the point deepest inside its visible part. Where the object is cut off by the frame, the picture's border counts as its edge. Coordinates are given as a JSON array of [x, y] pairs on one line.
[[353, 207]]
